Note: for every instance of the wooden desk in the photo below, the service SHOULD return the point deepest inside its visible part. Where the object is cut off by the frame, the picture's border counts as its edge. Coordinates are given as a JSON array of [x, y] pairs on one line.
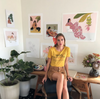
[[82, 82], [40, 77]]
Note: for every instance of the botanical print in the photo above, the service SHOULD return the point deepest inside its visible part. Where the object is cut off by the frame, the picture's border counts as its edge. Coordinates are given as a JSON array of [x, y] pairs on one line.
[[9, 19], [11, 37], [35, 24], [45, 49], [80, 26], [72, 60], [32, 45], [51, 30]]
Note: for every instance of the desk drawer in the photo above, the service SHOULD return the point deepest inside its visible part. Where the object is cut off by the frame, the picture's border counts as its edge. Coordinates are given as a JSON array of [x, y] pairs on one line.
[[80, 85]]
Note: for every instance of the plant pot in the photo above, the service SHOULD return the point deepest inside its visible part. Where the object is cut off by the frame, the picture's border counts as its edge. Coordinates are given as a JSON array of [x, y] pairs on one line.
[[9, 92], [94, 73], [24, 88]]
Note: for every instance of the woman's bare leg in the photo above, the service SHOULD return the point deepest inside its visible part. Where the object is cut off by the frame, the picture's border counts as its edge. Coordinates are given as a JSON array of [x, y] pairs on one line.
[[59, 86], [65, 90]]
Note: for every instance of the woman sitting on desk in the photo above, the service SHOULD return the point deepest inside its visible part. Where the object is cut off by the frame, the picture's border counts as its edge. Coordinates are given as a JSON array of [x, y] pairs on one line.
[[57, 60]]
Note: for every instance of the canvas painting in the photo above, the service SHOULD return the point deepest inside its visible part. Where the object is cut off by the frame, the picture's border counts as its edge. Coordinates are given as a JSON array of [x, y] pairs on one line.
[[51, 30], [35, 24], [11, 37], [32, 45], [72, 60], [9, 18], [45, 49], [80, 26]]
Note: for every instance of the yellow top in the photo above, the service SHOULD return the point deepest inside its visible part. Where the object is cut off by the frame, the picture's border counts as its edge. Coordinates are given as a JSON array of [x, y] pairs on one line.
[[58, 57]]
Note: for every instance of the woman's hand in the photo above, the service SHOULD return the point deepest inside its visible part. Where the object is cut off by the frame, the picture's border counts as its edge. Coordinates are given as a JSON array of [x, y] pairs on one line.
[[44, 79], [70, 78]]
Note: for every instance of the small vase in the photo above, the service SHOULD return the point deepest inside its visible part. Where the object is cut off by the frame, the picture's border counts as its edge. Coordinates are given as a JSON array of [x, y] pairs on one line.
[[93, 73]]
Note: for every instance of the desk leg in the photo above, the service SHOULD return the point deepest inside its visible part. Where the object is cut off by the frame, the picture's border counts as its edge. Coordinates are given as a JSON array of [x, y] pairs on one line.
[[87, 89], [36, 88], [90, 91]]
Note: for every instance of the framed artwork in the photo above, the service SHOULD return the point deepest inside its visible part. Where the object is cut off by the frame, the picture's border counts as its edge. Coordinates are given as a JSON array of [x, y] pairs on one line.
[[32, 45], [80, 26], [51, 30], [11, 37], [45, 49], [72, 60], [35, 24], [9, 18]]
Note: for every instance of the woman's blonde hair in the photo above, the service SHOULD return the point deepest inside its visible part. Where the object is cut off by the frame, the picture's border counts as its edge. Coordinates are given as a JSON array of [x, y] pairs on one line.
[[60, 34]]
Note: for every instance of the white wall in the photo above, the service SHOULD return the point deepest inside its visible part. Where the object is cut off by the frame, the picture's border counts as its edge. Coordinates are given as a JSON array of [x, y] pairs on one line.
[[52, 11], [15, 7]]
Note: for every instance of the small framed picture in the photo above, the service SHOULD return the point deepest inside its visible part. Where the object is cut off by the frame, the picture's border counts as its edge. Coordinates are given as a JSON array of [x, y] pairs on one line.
[[35, 24], [10, 18], [51, 30], [11, 37]]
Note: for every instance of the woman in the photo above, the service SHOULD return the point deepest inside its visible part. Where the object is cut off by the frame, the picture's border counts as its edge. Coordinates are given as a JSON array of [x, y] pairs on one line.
[[76, 29], [57, 60], [50, 32]]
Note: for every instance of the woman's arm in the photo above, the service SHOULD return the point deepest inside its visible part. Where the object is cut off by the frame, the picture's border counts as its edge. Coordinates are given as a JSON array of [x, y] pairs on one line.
[[47, 67]]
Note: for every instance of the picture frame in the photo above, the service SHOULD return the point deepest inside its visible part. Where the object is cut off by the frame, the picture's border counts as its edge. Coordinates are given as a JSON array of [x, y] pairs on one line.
[[80, 26], [10, 18], [35, 24], [11, 37], [51, 30]]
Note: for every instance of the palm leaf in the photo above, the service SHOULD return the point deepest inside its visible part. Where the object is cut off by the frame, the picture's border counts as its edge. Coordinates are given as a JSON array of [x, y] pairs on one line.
[[38, 18], [84, 17], [78, 15]]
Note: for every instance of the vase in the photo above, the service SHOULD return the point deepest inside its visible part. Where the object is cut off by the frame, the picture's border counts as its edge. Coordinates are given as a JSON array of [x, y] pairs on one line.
[[94, 73]]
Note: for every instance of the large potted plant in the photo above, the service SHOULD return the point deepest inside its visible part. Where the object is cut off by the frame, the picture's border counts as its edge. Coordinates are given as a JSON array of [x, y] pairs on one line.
[[9, 87], [22, 72]]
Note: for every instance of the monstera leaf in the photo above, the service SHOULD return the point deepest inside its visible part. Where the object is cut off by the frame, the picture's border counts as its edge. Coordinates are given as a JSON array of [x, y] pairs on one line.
[[38, 18]]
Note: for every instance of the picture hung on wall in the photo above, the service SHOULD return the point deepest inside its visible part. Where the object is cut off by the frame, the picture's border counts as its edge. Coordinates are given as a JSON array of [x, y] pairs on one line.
[[35, 24], [72, 60], [80, 26], [11, 37], [45, 49], [10, 18], [51, 30], [32, 45]]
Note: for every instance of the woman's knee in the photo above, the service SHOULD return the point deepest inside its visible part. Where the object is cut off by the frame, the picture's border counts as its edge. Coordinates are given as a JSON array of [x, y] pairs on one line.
[[65, 89], [61, 77]]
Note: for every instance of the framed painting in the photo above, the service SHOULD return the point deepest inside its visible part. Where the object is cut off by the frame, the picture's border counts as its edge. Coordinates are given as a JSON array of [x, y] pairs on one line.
[[32, 45], [10, 19], [45, 49], [35, 24], [80, 26], [51, 30], [72, 60], [11, 37]]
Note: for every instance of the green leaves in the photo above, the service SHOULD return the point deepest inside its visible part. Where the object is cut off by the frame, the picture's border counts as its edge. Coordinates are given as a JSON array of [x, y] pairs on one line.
[[78, 15], [38, 18]]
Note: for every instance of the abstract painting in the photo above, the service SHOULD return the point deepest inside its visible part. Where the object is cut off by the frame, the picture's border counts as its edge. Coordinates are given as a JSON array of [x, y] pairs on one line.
[[32, 45], [9, 18], [51, 30], [11, 37], [35, 24], [80, 26]]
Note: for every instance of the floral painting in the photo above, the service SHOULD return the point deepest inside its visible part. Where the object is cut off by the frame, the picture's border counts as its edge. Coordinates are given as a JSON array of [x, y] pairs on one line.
[[45, 49], [35, 24], [51, 30], [80, 26], [9, 18], [11, 37]]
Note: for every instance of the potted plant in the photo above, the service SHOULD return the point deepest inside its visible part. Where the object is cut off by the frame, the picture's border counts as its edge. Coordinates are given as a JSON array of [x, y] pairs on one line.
[[22, 72], [9, 87], [92, 60]]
